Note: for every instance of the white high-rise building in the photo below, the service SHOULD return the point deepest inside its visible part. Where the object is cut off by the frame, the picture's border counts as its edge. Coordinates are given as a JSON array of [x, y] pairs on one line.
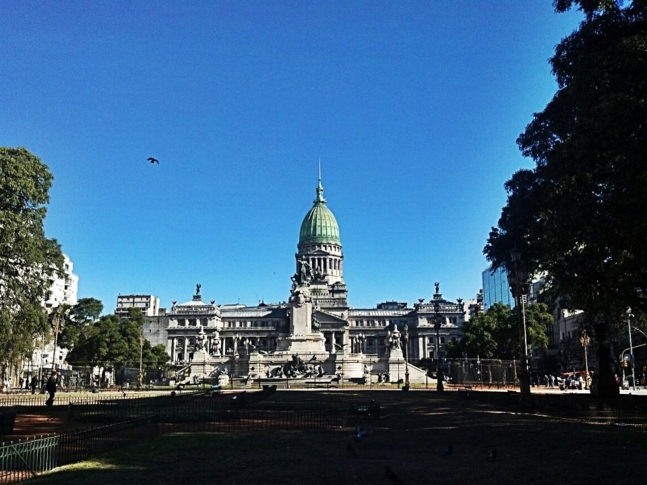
[[65, 287], [148, 304], [63, 290]]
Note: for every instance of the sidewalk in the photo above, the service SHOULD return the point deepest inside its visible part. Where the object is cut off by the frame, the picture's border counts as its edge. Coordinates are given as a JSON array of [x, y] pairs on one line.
[[640, 390]]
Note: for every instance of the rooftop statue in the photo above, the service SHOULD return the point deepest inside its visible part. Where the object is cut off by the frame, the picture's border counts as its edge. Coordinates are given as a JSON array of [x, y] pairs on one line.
[[305, 271]]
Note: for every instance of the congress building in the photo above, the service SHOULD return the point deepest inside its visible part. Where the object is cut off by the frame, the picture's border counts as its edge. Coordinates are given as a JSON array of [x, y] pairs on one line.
[[315, 324]]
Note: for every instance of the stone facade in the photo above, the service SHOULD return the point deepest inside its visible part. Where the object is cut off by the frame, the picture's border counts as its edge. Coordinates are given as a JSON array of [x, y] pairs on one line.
[[315, 321]]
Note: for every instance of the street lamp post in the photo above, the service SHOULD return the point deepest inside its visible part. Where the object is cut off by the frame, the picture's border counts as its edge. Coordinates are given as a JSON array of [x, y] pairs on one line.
[[585, 341], [438, 322], [517, 281], [406, 356], [426, 364], [631, 350], [141, 359]]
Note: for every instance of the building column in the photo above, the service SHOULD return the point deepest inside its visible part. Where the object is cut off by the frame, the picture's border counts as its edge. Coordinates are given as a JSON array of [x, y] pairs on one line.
[[333, 341]]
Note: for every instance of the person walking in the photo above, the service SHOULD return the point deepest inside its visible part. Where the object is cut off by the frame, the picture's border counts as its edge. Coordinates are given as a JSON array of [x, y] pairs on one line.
[[50, 387], [34, 384]]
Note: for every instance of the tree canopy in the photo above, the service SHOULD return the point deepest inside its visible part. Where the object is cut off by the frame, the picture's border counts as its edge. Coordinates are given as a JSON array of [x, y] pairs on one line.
[[77, 326], [28, 259], [576, 217], [493, 334], [114, 342]]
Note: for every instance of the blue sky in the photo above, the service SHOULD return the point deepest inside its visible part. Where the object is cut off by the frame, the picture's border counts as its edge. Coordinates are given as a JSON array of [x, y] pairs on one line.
[[412, 107]]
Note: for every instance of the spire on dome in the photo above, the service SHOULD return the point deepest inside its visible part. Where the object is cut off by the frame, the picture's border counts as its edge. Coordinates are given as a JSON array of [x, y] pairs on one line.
[[319, 225], [320, 197]]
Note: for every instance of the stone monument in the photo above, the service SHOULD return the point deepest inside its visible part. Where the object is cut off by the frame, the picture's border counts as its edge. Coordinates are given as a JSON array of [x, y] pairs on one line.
[[396, 365], [305, 335], [202, 362]]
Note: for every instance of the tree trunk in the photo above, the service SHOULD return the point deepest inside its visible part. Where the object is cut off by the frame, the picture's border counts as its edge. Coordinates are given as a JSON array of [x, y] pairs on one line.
[[604, 381]]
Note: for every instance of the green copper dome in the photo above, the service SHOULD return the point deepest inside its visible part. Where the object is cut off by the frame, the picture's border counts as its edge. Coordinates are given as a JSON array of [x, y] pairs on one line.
[[319, 225]]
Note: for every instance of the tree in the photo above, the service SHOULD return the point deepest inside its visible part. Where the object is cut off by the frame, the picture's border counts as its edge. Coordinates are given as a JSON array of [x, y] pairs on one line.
[[115, 343], [78, 327], [574, 216], [453, 349], [28, 260], [492, 334], [110, 345], [155, 357], [59, 318], [538, 320], [87, 310]]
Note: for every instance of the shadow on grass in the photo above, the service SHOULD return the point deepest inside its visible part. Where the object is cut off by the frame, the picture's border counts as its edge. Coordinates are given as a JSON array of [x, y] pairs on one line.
[[410, 438]]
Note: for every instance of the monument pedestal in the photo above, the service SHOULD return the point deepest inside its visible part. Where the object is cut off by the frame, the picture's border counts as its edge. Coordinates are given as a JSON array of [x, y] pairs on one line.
[[201, 364], [396, 365], [302, 344], [305, 337]]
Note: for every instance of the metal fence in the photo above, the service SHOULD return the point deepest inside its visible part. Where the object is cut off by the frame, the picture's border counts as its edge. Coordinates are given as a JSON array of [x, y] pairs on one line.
[[24, 459], [489, 373], [112, 424]]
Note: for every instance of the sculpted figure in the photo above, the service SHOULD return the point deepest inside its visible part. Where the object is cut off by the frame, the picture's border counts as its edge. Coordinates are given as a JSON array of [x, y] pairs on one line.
[[305, 271]]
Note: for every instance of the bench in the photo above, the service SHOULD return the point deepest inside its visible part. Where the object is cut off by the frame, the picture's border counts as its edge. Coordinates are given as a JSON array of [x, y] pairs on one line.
[[318, 383]]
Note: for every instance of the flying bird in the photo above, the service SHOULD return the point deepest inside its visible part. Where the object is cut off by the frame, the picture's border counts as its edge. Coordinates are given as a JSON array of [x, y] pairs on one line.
[[491, 455], [361, 433], [392, 476], [153, 160], [448, 451]]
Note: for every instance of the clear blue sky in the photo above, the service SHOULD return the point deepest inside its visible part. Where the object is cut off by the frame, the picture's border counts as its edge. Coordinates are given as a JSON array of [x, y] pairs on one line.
[[412, 107]]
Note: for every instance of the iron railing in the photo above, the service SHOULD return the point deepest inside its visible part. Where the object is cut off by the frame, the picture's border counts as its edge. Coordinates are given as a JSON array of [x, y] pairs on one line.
[[26, 458], [114, 424]]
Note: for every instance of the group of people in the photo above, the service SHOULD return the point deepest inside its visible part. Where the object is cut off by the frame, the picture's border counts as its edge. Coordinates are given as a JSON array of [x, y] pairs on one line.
[[51, 386], [563, 382]]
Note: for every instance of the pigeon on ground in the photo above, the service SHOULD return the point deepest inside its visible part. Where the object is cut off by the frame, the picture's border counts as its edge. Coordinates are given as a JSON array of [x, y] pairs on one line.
[[392, 476], [491, 455], [351, 449], [448, 451], [361, 433], [153, 160]]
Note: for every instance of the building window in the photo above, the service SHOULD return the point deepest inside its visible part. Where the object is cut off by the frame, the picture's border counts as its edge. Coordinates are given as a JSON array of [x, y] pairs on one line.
[[181, 322]]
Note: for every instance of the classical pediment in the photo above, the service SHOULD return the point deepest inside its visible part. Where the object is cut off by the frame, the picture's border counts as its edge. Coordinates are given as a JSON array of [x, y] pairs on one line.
[[329, 320]]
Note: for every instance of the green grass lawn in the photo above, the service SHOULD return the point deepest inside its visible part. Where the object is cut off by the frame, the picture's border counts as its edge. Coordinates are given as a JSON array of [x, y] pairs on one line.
[[409, 438]]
